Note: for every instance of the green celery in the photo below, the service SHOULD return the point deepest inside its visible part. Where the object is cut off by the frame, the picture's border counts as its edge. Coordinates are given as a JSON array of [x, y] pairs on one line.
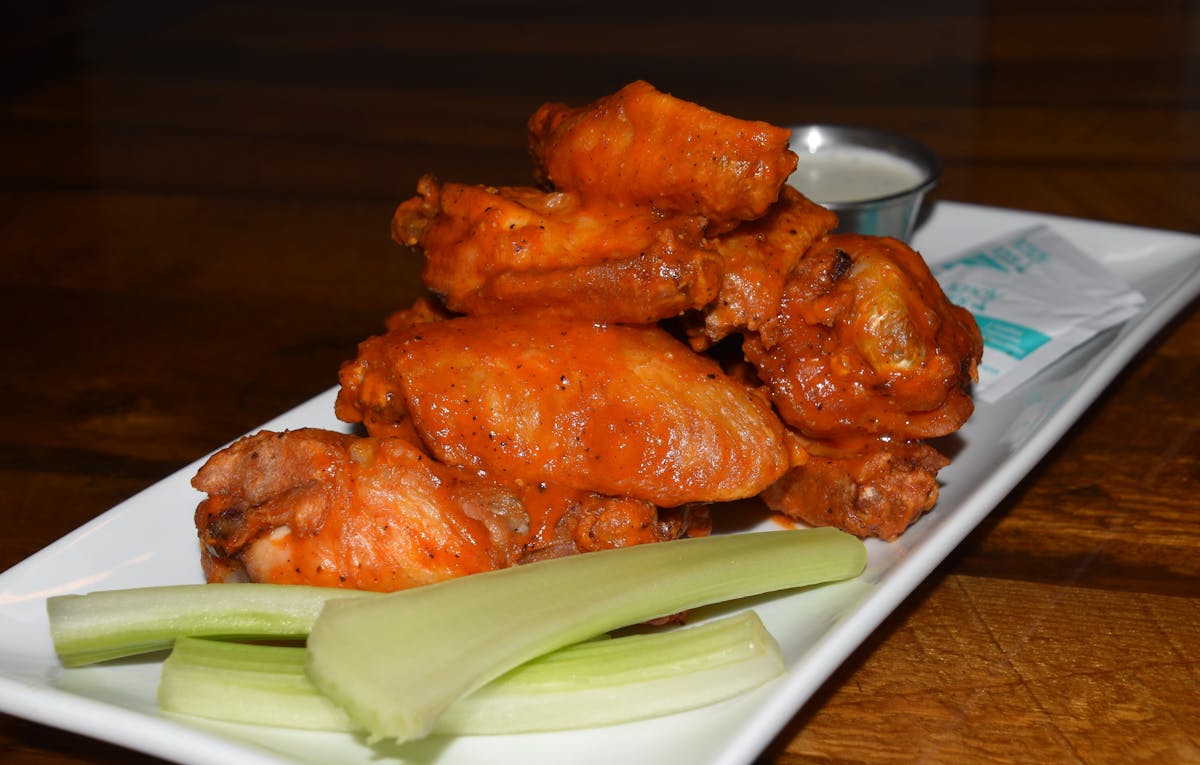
[[633, 677], [245, 682], [598, 682], [397, 662], [109, 624]]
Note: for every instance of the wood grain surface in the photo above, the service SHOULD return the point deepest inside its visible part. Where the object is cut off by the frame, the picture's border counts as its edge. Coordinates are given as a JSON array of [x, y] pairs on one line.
[[194, 209]]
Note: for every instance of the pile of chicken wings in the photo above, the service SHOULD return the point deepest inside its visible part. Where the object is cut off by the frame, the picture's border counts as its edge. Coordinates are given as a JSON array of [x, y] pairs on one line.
[[659, 327]]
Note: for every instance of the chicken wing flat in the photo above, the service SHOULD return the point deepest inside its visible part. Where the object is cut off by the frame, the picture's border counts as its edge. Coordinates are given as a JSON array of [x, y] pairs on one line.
[[617, 410], [640, 146], [866, 342], [758, 256], [322, 508], [490, 250], [871, 489]]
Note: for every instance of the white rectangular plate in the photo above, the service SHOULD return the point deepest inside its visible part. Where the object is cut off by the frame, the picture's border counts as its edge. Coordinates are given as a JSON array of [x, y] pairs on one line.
[[150, 540]]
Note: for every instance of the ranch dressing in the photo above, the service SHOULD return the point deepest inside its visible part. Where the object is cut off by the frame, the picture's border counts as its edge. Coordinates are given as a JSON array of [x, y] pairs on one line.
[[853, 174]]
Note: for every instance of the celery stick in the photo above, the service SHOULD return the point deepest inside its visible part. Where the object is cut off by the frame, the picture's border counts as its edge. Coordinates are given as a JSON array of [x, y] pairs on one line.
[[588, 684], [397, 662], [627, 678], [245, 682], [113, 623]]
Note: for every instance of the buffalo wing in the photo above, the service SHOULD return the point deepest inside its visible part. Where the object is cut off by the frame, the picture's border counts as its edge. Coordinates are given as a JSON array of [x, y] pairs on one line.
[[874, 488], [866, 342], [642, 147], [322, 508], [758, 256], [492, 250], [618, 410]]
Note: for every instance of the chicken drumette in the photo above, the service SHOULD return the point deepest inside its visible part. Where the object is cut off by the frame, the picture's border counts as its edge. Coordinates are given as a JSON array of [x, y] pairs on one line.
[[867, 343], [865, 359]]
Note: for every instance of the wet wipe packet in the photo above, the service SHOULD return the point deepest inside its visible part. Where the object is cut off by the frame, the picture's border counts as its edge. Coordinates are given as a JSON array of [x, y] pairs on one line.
[[1035, 297]]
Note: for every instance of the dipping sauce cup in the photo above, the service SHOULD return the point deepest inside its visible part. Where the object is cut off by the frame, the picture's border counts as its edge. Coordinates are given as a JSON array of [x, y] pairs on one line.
[[874, 180]]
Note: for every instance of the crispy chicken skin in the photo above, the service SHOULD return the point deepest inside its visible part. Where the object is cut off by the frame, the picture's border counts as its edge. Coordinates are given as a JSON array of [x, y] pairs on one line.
[[323, 508], [490, 250], [618, 410], [866, 342], [758, 256], [870, 489], [640, 146]]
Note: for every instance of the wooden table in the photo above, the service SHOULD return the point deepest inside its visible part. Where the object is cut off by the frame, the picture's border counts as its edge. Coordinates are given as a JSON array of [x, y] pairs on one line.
[[194, 234]]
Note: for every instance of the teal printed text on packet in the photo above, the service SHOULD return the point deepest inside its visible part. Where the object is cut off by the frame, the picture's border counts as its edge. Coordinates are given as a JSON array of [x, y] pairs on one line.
[[1035, 296], [1014, 339], [1015, 257]]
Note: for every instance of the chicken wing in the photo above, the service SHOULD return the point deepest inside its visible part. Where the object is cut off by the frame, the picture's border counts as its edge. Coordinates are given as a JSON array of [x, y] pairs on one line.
[[642, 147], [758, 256], [618, 410], [490, 250], [322, 508], [871, 489], [866, 342]]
